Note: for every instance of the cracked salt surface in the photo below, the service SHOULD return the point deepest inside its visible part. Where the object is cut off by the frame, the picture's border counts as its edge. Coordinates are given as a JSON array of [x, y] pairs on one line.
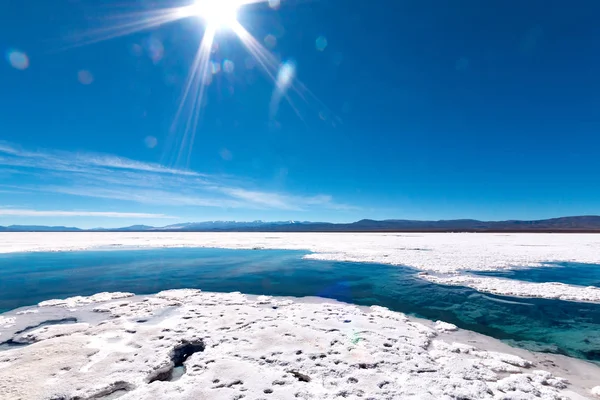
[[233, 346], [442, 253]]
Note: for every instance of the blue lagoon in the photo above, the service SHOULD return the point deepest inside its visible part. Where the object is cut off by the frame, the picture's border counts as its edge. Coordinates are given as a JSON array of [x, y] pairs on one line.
[[554, 326]]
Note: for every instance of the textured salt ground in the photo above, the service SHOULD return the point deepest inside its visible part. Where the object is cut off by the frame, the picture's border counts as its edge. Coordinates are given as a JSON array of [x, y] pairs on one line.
[[186, 344], [442, 253]]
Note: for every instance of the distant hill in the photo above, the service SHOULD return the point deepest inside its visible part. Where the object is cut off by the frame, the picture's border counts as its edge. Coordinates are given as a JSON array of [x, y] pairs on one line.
[[222, 225], [564, 224], [132, 228], [590, 223], [38, 228]]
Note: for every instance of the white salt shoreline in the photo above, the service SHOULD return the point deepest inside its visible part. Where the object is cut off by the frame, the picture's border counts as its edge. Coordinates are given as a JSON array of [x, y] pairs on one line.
[[266, 347], [442, 253], [514, 288]]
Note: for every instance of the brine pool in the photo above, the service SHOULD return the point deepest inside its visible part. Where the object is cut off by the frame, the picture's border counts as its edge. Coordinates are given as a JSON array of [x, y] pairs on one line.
[[555, 326]]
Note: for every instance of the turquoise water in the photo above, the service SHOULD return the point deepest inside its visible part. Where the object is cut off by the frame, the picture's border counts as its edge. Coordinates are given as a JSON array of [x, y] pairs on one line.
[[546, 325], [570, 273]]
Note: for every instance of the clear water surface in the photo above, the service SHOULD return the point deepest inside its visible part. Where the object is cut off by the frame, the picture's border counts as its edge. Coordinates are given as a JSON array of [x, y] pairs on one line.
[[545, 325]]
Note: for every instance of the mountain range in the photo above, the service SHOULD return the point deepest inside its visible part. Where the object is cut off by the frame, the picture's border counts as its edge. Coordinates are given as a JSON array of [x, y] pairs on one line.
[[588, 223]]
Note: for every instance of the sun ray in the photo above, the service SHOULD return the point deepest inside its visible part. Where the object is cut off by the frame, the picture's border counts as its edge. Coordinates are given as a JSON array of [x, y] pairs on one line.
[[214, 15], [271, 65], [266, 59], [204, 72], [127, 24], [194, 91]]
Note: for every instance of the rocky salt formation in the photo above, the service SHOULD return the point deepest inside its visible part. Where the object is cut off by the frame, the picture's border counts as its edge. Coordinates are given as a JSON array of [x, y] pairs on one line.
[[7, 322], [81, 300], [186, 344], [442, 326]]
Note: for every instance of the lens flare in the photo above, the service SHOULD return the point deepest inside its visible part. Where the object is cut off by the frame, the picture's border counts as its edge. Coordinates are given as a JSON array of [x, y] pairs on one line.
[[286, 75], [18, 59]]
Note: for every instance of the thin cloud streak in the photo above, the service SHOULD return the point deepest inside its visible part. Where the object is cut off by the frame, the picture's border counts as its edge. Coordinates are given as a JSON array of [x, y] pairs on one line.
[[276, 200], [144, 196], [59, 213], [123, 163], [60, 160], [106, 176]]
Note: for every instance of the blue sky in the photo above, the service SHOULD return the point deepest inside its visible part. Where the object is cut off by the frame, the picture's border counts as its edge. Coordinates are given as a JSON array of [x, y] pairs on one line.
[[399, 109]]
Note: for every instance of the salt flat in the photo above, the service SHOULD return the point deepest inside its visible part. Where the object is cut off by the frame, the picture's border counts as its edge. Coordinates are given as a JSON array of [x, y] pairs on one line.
[[186, 344], [440, 253]]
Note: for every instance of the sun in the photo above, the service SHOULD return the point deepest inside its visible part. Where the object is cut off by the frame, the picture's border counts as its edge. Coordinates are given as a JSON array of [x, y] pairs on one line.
[[217, 13], [212, 16]]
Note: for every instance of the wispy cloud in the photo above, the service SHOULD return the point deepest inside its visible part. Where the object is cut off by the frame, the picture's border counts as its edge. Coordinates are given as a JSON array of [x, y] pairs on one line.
[[145, 196], [110, 177], [68, 161], [276, 200], [58, 213], [123, 163]]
